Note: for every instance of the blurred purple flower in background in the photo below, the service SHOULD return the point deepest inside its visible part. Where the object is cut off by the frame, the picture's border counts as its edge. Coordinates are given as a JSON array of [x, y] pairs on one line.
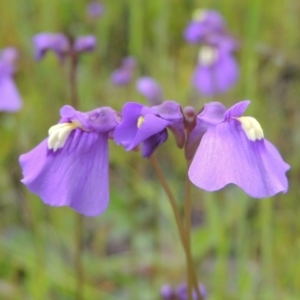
[[9, 55], [95, 9], [167, 292], [85, 43], [148, 125], [56, 42], [61, 45], [150, 89], [10, 99], [233, 150], [204, 24], [70, 168], [124, 74], [216, 72]]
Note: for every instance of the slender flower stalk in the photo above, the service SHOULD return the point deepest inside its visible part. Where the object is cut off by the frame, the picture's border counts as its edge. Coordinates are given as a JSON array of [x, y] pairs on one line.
[[73, 80], [179, 223], [187, 218], [79, 218]]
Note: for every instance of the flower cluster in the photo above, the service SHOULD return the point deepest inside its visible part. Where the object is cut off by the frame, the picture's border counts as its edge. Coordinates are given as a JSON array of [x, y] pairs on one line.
[[10, 99], [217, 70], [70, 167], [124, 74], [95, 9], [61, 45]]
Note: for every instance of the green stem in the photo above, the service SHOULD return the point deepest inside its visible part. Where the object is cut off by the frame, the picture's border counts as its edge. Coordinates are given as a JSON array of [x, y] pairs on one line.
[[73, 80], [79, 218], [179, 224], [187, 221], [78, 257]]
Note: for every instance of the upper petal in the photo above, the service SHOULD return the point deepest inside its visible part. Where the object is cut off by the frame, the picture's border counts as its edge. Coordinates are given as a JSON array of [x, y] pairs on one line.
[[171, 111], [236, 110], [212, 113], [225, 155]]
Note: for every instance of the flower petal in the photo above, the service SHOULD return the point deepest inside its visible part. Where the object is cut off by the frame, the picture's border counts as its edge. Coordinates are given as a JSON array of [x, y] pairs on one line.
[[217, 78], [150, 89], [152, 125], [236, 110], [85, 43], [10, 99], [150, 144], [125, 132], [212, 114], [225, 155], [121, 76], [56, 42], [75, 175]]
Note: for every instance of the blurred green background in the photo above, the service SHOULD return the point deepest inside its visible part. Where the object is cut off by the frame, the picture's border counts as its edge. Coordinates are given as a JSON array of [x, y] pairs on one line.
[[243, 248]]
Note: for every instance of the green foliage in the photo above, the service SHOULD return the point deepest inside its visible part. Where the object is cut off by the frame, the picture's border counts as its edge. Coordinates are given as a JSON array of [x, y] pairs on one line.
[[243, 248]]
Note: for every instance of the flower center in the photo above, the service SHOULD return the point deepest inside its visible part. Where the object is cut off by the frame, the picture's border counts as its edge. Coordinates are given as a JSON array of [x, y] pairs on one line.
[[199, 15], [58, 134], [252, 128], [140, 121], [207, 56]]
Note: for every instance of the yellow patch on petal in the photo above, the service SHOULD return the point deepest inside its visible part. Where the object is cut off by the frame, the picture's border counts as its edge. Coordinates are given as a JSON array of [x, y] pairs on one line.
[[252, 128], [58, 134], [140, 122]]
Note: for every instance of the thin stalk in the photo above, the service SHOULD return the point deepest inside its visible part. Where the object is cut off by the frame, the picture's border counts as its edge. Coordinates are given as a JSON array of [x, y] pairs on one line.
[[179, 224], [73, 80], [187, 221], [78, 257], [79, 218]]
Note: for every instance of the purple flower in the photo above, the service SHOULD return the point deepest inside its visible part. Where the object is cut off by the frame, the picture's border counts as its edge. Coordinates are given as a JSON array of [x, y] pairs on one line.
[[9, 55], [217, 71], [150, 89], [129, 62], [85, 43], [181, 292], [233, 150], [148, 125], [10, 99], [167, 292], [124, 74], [70, 168], [95, 9], [204, 24], [56, 42]]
